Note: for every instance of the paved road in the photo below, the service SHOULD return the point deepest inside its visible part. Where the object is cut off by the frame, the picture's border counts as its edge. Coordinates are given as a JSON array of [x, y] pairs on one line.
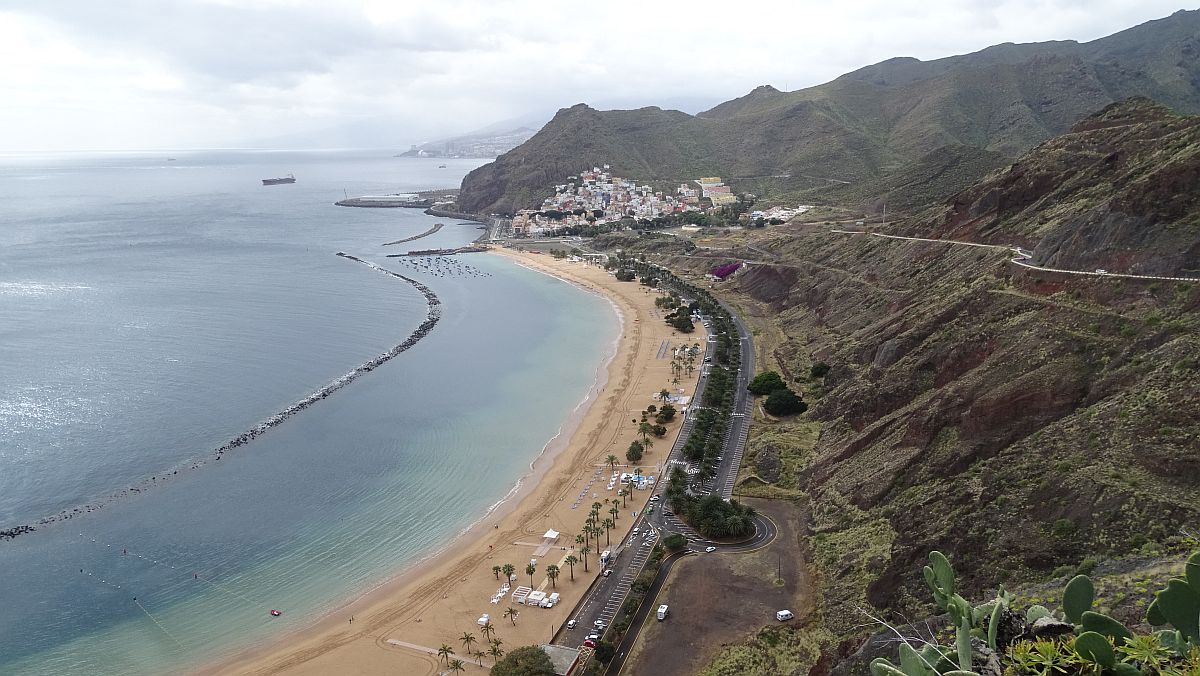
[[1021, 257]]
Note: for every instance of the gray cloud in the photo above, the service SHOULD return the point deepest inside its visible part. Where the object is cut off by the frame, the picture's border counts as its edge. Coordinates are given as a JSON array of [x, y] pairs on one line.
[[135, 73]]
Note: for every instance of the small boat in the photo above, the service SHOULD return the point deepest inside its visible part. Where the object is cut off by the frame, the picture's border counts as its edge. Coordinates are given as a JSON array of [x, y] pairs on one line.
[[441, 166], [276, 613], [279, 181]]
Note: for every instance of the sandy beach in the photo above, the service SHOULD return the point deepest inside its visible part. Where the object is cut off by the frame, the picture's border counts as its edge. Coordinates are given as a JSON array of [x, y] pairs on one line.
[[397, 626]]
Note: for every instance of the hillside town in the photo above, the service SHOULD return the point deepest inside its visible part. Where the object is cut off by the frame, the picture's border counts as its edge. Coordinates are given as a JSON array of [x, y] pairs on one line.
[[597, 197]]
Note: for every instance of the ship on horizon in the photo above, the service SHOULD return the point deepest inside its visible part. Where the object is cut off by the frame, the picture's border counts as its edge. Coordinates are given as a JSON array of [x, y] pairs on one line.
[[279, 181]]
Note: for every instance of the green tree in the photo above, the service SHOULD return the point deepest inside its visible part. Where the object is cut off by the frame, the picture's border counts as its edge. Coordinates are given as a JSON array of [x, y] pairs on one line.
[[530, 569], [784, 402], [664, 395], [766, 383], [634, 454], [605, 652], [819, 370], [508, 569], [614, 511], [495, 650], [682, 323], [467, 639], [645, 429], [457, 666], [571, 561], [674, 542], [552, 573], [612, 462], [496, 571], [511, 613], [488, 629], [665, 414], [625, 276], [445, 652], [608, 525], [583, 553], [525, 661]]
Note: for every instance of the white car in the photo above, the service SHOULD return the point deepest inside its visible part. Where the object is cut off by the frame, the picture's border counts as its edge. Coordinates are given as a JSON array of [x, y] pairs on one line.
[[599, 624], [654, 498], [571, 624], [710, 550]]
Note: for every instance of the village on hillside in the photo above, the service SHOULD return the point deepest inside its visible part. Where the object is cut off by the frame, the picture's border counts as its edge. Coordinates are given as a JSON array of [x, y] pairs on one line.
[[597, 197]]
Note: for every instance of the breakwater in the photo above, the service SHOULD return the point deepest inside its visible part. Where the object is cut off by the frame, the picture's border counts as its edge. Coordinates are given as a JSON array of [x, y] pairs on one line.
[[441, 252], [433, 313], [435, 228]]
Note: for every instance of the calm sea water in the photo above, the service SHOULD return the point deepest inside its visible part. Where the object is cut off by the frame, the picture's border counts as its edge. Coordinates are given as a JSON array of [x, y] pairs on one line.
[[152, 310]]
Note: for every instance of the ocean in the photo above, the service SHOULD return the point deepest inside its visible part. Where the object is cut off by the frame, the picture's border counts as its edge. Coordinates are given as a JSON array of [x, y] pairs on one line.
[[153, 310]]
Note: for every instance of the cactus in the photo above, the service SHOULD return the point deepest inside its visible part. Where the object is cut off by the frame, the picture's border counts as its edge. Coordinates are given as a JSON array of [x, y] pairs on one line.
[[1192, 570], [880, 666], [939, 575], [1096, 649], [1078, 597], [1179, 604], [1103, 624], [1035, 613], [1153, 617], [994, 624]]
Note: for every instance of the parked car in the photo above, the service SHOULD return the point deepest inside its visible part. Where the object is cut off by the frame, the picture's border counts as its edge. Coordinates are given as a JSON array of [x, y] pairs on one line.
[[607, 572], [600, 624], [710, 550], [655, 498], [784, 615], [571, 624], [589, 643], [593, 637]]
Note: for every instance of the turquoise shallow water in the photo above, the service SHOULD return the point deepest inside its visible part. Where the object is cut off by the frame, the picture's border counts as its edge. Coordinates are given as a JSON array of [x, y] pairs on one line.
[[150, 311]]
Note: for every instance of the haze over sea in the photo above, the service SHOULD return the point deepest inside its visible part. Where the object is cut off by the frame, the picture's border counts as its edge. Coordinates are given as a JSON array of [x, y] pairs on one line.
[[150, 311]]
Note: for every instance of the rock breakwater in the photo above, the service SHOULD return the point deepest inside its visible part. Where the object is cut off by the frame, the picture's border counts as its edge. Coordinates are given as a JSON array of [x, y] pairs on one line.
[[433, 313]]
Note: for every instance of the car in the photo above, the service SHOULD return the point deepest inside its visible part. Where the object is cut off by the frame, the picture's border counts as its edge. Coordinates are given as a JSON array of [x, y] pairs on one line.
[[655, 498], [589, 643], [784, 615], [607, 572], [667, 512], [599, 624], [637, 530], [593, 637], [571, 624], [710, 550]]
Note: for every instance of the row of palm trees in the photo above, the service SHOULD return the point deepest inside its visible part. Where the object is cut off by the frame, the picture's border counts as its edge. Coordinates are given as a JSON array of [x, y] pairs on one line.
[[552, 571], [468, 640]]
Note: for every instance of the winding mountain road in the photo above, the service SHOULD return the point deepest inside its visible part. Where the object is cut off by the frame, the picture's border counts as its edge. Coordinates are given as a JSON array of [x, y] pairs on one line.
[[1021, 257]]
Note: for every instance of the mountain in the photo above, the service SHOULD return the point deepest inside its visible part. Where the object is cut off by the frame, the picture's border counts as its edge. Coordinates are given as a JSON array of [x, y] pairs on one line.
[[878, 123], [1028, 424]]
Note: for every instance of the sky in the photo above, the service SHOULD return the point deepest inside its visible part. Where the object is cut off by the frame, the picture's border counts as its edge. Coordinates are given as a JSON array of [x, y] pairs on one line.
[[146, 74]]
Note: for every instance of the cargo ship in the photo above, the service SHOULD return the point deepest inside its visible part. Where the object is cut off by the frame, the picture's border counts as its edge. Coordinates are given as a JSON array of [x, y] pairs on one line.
[[279, 181]]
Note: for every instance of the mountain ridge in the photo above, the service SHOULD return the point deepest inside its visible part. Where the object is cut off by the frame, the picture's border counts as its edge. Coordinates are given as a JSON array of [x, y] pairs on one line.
[[870, 123]]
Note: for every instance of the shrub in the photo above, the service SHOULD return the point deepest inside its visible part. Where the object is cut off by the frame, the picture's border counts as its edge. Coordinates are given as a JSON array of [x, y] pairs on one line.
[[819, 370], [766, 383], [634, 454], [784, 402]]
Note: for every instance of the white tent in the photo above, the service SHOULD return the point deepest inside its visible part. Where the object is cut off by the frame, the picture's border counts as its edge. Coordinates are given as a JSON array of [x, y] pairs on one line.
[[551, 534]]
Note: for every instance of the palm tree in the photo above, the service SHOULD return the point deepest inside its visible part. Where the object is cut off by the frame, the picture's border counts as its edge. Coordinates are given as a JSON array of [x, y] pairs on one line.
[[511, 613], [571, 561], [664, 394], [612, 462], [445, 652], [479, 655], [644, 430], [623, 492], [496, 571], [608, 525], [508, 569], [496, 651], [596, 506], [468, 640], [552, 573], [580, 540], [457, 666], [584, 552], [614, 511], [530, 570]]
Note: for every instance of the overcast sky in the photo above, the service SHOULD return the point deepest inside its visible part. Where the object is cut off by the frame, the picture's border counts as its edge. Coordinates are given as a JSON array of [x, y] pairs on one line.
[[128, 74]]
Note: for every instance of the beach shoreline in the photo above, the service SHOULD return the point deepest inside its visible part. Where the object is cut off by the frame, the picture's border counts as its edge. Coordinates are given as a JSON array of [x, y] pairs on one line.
[[396, 621]]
